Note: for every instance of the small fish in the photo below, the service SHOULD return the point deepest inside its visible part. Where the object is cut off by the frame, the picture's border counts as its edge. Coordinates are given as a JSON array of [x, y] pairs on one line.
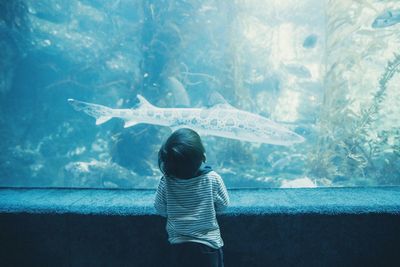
[[310, 41], [387, 19], [220, 120], [176, 89], [298, 70]]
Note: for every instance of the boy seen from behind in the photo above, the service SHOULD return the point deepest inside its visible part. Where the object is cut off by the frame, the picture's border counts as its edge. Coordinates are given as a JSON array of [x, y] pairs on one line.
[[190, 195]]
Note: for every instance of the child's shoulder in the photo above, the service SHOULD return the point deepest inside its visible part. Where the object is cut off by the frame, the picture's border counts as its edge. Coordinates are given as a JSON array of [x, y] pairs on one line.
[[213, 175]]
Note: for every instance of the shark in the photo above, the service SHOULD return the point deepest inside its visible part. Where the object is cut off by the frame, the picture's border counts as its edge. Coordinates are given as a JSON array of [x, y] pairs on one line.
[[222, 120]]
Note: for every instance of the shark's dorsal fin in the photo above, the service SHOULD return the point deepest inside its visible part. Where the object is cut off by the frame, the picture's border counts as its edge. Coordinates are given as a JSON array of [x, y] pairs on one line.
[[216, 100], [143, 102]]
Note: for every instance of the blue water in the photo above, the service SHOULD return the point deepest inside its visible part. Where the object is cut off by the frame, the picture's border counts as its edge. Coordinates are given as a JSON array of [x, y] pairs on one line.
[[325, 70]]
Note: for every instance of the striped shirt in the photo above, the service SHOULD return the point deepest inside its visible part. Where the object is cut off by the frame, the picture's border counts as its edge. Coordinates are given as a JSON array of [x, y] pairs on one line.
[[190, 206]]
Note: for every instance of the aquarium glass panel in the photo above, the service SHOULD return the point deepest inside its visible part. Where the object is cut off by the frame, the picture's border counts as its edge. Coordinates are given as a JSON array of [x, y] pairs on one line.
[[284, 93]]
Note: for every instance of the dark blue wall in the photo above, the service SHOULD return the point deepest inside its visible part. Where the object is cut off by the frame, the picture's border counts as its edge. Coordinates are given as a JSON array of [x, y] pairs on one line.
[[276, 240]]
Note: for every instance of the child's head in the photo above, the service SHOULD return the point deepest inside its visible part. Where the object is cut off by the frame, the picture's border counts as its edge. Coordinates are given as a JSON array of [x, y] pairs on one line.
[[182, 154]]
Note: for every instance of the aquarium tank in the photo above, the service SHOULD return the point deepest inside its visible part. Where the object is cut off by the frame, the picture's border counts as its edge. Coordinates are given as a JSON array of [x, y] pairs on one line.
[[284, 93]]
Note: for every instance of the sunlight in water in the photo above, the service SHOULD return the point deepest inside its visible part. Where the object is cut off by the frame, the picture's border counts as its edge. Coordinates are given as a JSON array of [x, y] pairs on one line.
[[288, 105]]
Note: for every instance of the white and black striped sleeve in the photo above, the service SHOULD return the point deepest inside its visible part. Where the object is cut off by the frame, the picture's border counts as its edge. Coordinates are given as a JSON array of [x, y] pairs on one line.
[[221, 197], [160, 203]]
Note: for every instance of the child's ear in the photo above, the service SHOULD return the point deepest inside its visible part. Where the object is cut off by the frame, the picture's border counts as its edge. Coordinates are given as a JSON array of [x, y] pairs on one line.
[[204, 157]]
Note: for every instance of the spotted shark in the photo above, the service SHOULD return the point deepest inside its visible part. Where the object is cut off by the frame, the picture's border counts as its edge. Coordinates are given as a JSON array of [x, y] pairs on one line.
[[221, 120]]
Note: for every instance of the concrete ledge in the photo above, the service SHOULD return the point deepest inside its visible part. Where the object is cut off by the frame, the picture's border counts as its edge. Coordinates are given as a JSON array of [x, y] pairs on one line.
[[266, 227], [250, 201]]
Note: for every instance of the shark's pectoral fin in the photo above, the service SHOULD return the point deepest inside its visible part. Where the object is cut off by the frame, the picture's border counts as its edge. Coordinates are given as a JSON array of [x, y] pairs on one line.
[[130, 123], [102, 119]]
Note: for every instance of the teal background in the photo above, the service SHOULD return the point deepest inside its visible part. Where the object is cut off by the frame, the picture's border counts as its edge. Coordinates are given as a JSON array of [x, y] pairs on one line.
[[319, 67]]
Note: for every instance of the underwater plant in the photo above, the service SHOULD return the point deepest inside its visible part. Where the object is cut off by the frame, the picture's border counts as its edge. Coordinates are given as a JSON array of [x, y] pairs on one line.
[[347, 149], [352, 147], [383, 150]]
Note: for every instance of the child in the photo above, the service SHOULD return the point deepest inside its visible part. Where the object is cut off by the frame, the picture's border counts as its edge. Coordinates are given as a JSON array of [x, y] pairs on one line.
[[190, 195]]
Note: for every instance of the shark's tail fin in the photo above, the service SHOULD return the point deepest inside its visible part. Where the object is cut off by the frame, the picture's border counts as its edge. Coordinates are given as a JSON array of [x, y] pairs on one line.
[[99, 112]]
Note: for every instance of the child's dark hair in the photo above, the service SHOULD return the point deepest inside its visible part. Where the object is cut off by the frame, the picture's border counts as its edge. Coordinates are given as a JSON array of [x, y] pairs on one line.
[[182, 154]]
